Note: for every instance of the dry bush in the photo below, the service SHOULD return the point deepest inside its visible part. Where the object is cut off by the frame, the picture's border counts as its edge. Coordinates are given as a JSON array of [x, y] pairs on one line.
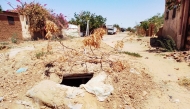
[[95, 38], [185, 82], [119, 45], [118, 66], [50, 28]]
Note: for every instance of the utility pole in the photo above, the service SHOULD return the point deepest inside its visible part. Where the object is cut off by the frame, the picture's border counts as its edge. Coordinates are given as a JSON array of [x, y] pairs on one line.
[[87, 28]]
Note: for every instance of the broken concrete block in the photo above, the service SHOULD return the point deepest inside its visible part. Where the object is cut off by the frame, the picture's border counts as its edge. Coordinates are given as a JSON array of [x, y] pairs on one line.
[[54, 77], [47, 93]]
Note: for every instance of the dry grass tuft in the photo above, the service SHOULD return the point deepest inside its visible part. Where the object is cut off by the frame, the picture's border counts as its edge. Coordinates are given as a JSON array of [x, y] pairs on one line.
[[185, 82], [119, 45], [118, 65]]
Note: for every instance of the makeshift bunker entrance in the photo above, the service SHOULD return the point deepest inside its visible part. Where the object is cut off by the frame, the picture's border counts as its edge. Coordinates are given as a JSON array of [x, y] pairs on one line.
[[76, 80]]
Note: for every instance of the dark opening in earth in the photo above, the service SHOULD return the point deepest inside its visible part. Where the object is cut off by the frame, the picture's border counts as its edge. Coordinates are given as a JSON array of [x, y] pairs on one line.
[[76, 80]]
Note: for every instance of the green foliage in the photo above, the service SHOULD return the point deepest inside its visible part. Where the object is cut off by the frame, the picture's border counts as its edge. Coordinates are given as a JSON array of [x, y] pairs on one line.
[[156, 20], [4, 43], [40, 54], [71, 37], [129, 29], [168, 44], [14, 39], [131, 54], [1, 9], [117, 26], [95, 21], [145, 24]]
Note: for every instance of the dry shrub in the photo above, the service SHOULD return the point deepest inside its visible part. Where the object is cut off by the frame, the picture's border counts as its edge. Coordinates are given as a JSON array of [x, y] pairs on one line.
[[185, 82], [95, 38], [50, 28], [62, 59], [118, 65], [119, 45]]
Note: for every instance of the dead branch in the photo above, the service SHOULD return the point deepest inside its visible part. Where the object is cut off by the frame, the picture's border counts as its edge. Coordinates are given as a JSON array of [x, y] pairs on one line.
[[66, 46]]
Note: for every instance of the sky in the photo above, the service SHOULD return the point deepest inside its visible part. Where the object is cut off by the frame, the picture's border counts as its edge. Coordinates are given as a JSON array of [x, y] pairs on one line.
[[126, 13]]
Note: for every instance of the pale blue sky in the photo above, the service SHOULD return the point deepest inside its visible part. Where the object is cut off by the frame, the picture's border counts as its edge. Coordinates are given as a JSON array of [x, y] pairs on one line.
[[123, 12]]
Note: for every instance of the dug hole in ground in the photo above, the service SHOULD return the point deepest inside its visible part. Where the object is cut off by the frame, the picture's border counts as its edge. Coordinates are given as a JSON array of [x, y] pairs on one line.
[[118, 81]]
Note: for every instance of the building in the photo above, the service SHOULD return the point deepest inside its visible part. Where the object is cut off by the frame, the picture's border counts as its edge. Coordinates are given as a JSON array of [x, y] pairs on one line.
[[72, 30], [14, 25], [10, 26], [177, 24]]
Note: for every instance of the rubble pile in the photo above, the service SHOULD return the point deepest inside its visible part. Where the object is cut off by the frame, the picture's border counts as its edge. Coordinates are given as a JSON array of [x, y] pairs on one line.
[[38, 85], [179, 56]]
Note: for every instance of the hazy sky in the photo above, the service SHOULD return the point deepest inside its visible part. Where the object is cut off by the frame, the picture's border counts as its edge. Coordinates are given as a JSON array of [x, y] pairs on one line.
[[123, 12]]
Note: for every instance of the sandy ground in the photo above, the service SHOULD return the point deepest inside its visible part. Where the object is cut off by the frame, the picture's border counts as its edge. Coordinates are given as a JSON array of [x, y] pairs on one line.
[[169, 94], [149, 82]]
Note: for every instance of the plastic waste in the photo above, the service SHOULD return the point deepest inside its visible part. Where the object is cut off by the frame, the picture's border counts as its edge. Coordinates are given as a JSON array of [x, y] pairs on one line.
[[1, 99], [97, 87], [75, 106], [20, 70], [132, 70]]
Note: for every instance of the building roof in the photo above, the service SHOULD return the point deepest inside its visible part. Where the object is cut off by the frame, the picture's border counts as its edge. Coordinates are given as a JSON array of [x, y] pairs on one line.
[[72, 26], [10, 12], [5, 13]]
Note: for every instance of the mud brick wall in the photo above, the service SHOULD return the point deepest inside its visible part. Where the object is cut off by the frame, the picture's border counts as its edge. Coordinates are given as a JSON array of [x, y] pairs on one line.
[[8, 30], [188, 43], [175, 25]]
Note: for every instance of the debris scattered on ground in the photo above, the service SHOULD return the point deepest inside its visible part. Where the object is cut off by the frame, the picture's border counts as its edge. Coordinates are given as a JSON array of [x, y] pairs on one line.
[[122, 85], [132, 70], [179, 56]]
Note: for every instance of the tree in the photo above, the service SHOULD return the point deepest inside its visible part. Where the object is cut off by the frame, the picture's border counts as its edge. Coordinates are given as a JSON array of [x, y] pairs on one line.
[[1, 9], [38, 14], [129, 29], [117, 26], [157, 20], [145, 24], [95, 21]]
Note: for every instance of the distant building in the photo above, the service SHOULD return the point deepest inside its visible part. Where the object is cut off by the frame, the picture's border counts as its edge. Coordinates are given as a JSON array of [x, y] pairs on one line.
[[72, 30], [177, 24]]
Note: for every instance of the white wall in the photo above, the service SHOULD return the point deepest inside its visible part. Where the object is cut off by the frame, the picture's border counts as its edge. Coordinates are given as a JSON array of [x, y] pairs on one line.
[[25, 27], [72, 30]]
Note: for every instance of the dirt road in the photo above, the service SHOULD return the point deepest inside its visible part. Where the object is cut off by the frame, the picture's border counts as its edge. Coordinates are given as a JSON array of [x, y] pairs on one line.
[[165, 72]]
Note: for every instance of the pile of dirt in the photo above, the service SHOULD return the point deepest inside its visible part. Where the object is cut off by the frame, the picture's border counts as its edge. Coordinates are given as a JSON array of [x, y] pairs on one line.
[[68, 58]]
